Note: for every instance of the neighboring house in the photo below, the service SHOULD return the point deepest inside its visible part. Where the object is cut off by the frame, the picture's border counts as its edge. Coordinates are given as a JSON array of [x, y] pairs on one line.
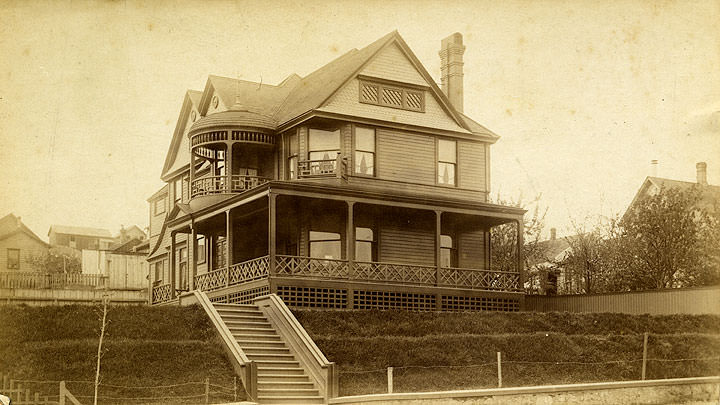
[[126, 234], [79, 238], [18, 244], [710, 199], [547, 276], [362, 185]]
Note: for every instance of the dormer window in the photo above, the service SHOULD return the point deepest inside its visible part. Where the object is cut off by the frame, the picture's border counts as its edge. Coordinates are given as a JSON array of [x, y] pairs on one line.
[[394, 96]]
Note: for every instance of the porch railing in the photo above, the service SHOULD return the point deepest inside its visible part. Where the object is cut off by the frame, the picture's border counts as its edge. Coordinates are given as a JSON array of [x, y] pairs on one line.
[[481, 279], [32, 280], [336, 167], [305, 266], [406, 273], [210, 185], [250, 270], [161, 293]]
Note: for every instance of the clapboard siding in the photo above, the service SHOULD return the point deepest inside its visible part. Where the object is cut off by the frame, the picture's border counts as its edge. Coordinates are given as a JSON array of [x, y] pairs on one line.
[[471, 250], [370, 184], [403, 156], [29, 247], [471, 165], [407, 245]]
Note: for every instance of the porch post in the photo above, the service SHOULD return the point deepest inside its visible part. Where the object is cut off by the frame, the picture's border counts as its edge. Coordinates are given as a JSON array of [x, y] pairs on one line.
[[520, 259], [272, 225], [438, 231], [192, 257], [228, 165], [350, 237], [229, 238], [172, 265]]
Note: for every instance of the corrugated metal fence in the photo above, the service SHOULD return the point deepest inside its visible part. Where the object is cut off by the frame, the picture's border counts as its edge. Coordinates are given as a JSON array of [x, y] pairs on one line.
[[704, 300]]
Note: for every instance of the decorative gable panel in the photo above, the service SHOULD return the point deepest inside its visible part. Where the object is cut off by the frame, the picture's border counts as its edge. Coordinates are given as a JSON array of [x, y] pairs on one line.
[[392, 64], [216, 104]]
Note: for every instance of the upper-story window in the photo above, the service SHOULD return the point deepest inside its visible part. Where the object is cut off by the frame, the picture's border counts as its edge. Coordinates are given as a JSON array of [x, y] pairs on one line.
[[392, 96], [324, 147], [447, 162], [177, 189], [159, 205], [293, 150], [13, 259], [365, 151]]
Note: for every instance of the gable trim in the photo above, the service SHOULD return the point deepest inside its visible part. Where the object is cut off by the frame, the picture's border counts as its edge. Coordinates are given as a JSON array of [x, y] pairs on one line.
[[177, 135]]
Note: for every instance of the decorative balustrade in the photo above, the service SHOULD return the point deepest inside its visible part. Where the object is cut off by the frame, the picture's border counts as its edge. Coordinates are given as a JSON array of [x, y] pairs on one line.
[[250, 270], [161, 293], [32, 280], [305, 266], [208, 137], [317, 168], [210, 185], [406, 273], [480, 279]]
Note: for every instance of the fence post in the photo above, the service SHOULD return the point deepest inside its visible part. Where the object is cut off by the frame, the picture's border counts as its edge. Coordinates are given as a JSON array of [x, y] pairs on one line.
[[235, 388], [499, 364], [390, 379], [644, 363], [207, 390], [62, 392]]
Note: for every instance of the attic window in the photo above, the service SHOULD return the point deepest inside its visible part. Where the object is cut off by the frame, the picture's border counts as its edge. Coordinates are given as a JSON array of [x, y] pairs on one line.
[[392, 96]]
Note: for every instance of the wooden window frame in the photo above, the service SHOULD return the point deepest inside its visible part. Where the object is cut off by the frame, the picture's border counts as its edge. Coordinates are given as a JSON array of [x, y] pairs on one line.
[[404, 90], [17, 261], [293, 158], [354, 151], [202, 252], [438, 161], [373, 243]]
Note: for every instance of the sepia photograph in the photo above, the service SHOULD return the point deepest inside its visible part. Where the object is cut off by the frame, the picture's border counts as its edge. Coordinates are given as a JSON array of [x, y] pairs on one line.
[[359, 202]]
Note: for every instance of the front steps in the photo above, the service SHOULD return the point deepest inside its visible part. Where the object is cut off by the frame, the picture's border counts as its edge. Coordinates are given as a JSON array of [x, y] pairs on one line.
[[280, 376]]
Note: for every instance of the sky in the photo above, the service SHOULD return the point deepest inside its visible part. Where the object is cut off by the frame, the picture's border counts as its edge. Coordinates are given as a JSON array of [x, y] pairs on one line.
[[584, 94]]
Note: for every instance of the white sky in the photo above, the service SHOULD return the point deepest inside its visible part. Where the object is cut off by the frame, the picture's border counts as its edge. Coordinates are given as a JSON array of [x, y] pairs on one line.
[[583, 93]]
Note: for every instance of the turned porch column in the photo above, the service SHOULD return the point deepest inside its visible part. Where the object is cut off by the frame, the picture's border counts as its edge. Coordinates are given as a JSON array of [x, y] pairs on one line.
[[272, 227], [173, 276], [350, 237], [229, 238], [192, 257], [438, 232]]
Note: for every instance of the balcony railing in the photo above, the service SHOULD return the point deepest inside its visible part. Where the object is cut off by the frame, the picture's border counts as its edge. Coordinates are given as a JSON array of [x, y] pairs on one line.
[[12, 279], [323, 167], [210, 185], [298, 266]]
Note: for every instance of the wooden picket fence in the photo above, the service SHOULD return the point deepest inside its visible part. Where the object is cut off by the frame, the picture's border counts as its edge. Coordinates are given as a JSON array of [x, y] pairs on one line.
[[21, 395]]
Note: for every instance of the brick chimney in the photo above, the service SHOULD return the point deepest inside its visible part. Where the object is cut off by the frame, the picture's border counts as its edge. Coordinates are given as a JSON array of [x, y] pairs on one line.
[[451, 69], [701, 168], [553, 233]]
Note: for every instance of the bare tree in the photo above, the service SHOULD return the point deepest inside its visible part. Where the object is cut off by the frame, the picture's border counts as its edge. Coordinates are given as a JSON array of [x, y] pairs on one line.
[[100, 353]]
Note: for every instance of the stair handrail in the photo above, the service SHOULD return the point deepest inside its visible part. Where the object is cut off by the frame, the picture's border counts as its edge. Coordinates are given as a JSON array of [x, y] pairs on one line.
[[327, 379], [246, 368]]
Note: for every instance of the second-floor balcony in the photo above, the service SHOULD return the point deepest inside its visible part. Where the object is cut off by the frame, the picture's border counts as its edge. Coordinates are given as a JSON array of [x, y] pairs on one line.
[[210, 185]]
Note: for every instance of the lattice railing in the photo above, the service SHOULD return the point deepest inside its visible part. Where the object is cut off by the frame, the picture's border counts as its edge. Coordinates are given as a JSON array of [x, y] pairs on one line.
[[406, 273], [306, 266], [250, 270], [480, 279], [161, 293], [209, 185], [212, 280]]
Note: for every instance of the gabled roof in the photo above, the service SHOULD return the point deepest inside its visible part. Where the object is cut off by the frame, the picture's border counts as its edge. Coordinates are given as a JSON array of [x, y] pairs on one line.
[[710, 193], [80, 231], [172, 163], [11, 225]]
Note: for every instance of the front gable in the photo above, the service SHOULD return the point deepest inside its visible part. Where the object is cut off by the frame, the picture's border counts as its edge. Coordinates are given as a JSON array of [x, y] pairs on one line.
[[395, 68], [178, 155]]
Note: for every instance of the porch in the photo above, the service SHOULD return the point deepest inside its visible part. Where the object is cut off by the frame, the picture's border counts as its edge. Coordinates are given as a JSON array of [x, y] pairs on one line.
[[326, 250]]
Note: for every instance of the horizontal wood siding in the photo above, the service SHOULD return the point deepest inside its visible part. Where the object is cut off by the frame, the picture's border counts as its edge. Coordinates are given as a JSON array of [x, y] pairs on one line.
[[406, 157], [471, 165], [411, 245], [471, 250], [392, 64], [28, 247], [378, 185]]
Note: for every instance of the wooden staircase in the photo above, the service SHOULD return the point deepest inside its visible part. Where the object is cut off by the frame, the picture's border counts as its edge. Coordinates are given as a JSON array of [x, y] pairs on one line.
[[281, 378]]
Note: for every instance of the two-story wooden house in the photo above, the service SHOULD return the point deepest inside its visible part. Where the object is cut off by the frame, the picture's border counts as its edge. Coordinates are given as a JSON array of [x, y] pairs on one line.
[[362, 185]]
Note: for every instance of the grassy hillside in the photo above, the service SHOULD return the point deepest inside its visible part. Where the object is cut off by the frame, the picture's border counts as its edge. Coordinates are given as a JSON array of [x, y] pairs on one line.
[[143, 347], [435, 351]]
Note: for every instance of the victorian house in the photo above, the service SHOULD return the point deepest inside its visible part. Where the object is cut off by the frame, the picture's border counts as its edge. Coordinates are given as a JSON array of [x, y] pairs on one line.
[[362, 185]]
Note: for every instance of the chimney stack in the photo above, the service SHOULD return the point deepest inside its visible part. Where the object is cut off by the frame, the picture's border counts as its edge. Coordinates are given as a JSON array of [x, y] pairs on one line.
[[553, 233], [451, 69], [653, 167], [701, 168]]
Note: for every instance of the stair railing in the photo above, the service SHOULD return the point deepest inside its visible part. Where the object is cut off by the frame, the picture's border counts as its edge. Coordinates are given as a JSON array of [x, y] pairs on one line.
[[246, 368], [323, 372]]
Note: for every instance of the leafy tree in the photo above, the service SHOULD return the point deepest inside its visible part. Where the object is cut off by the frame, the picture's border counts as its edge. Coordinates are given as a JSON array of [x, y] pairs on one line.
[[672, 238], [56, 262], [503, 241]]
